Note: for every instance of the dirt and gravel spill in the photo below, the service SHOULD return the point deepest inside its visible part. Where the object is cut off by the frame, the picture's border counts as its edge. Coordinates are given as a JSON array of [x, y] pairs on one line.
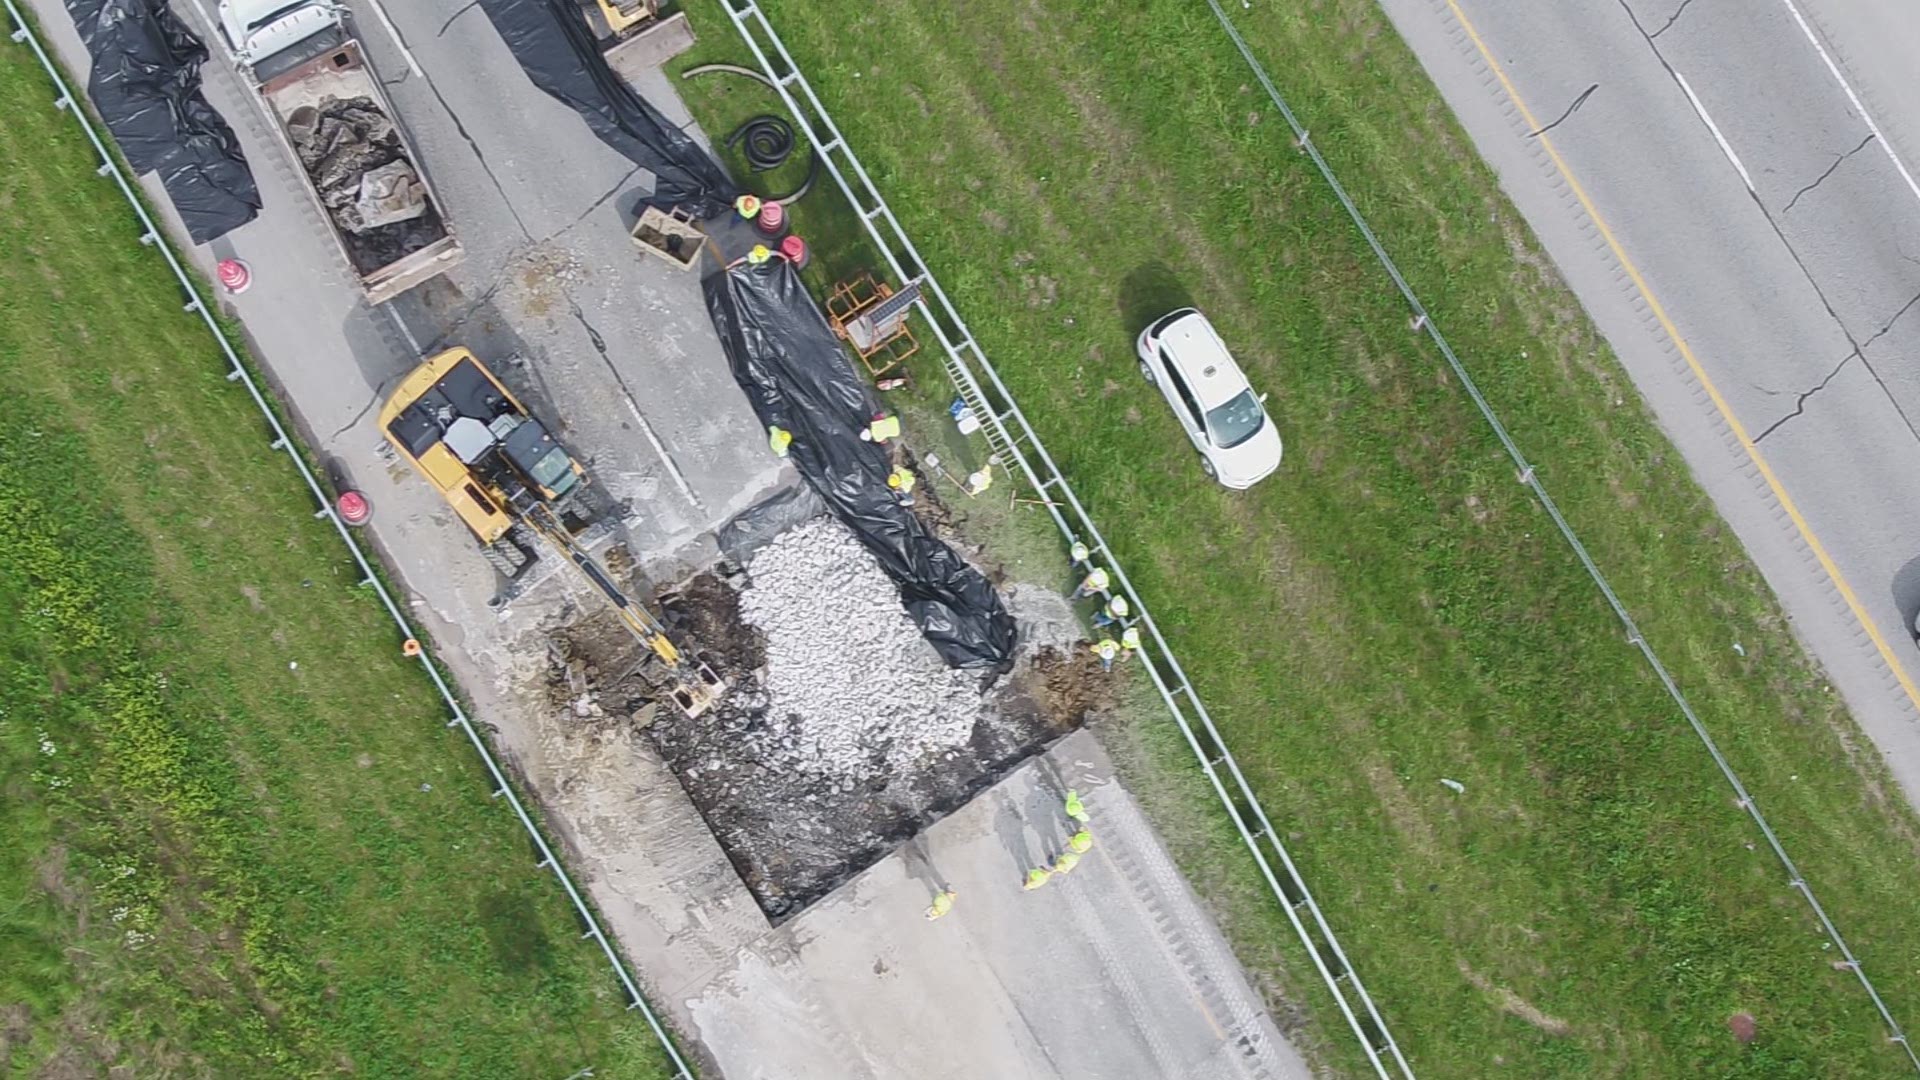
[[842, 733]]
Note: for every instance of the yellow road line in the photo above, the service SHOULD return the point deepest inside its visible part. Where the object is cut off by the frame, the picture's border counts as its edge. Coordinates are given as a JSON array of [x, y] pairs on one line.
[[1673, 333]]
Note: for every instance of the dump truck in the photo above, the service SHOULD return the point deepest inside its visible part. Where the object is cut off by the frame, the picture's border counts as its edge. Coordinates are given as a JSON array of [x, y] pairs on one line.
[[330, 112], [520, 492]]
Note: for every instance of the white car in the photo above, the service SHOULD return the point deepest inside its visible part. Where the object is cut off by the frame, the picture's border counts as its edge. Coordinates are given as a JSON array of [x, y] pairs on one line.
[[1183, 355]]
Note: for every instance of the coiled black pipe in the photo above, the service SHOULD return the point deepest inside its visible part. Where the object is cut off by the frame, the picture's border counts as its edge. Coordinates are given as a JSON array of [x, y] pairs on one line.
[[747, 131], [768, 139]]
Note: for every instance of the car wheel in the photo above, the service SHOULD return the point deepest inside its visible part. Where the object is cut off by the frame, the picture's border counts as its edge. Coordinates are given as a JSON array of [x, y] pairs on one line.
[[1206, 466], [1146, 372]]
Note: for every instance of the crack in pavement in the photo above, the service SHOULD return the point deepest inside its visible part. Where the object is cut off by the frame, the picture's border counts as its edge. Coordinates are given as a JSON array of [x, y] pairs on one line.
[[1799, 261], [1577, 102], [646, 428], [518, 257], [471, 4], [1823, 176], [1800, 405], [595, 205], [348, 426], [1882, 332], [513, 262], [472, 143], [1664, 27]]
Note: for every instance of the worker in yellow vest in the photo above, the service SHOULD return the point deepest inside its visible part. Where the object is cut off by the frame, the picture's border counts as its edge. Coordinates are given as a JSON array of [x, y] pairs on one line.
[[1037, 877], [779, 439], [942, 904], [1106, 649], [1096, 581], [747, 206], [901, 480], [1129, 642], [1082, 554], [1115, 610], [1076, 809], [1064, 862], [1081, 842]]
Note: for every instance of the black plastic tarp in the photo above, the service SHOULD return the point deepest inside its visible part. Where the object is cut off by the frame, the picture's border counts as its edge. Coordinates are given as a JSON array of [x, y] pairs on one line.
[[553, 43], [146, 85], [798, 378]]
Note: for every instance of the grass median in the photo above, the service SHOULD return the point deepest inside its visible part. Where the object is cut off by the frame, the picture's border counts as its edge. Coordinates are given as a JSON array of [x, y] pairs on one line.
[[1392, 608], [239, 841]]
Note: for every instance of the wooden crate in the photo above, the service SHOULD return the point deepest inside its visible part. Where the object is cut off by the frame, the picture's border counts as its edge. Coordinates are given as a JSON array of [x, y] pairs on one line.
[[659, 233]]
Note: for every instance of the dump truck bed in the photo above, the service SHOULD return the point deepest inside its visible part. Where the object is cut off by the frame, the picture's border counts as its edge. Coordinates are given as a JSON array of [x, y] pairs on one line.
[[335, 119]]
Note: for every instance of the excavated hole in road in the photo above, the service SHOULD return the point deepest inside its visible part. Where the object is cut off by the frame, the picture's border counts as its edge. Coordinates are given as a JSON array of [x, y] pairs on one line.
[[842, 734]]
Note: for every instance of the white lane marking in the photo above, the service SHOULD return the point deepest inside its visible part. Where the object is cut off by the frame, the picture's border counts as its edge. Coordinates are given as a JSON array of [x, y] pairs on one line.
[[212, 27], [1853, 99], [413, 342], [1725, 147], [395, 35], [660, 448]]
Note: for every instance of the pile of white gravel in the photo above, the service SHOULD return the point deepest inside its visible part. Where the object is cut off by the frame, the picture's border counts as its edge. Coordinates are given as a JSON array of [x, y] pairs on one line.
[[863, 688]]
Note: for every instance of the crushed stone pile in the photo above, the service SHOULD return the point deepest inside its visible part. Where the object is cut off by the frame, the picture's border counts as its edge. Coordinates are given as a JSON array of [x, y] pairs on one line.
[[850, 685]]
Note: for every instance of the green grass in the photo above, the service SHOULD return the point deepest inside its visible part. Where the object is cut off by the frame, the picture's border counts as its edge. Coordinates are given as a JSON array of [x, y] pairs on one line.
[[1392, 607], [239, 840]]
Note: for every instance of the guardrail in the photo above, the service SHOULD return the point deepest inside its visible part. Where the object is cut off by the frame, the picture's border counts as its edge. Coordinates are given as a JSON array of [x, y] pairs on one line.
[[1423, 320], [151, 236], [994, 404]]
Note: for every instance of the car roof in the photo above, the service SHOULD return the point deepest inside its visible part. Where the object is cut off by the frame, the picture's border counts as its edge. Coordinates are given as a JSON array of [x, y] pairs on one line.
[[1195, 347]]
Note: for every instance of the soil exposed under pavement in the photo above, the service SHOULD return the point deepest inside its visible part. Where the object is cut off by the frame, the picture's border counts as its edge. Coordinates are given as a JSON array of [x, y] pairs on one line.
[[842, 734]]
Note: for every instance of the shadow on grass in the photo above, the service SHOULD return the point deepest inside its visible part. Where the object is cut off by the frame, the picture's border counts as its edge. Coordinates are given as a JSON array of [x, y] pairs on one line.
[[514, 933], [1149, 291]]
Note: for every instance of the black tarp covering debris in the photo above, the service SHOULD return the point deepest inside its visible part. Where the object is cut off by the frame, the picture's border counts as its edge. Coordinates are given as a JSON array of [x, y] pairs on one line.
[[146, 86], [553, 43], [798, 378]]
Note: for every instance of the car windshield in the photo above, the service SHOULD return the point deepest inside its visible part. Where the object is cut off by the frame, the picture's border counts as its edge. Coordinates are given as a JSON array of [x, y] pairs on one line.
[[276, 14], [1236, 421]]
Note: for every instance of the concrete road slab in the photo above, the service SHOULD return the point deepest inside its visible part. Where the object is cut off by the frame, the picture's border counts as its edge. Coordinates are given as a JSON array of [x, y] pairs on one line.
[[1771, 314], [1116, 972], [1113, 970]]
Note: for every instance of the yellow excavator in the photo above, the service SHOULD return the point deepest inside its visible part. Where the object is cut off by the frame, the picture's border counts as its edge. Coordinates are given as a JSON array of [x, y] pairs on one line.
[[515, 487], [624, 15]]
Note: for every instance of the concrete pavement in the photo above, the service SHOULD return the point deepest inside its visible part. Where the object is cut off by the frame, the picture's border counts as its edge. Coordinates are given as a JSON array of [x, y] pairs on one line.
[[1740, 233], [1116, 972], [1109, 971]]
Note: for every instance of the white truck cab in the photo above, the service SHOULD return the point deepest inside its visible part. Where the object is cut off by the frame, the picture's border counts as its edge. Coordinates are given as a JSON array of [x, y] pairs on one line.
[[257, 29]]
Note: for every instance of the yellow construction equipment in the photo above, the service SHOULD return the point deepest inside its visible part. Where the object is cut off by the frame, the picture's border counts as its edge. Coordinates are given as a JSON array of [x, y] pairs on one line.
[[513, 485], [624, 15]]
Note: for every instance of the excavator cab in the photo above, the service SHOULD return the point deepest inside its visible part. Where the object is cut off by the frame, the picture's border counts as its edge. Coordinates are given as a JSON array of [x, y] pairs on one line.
[[500, 468], [477, 444]]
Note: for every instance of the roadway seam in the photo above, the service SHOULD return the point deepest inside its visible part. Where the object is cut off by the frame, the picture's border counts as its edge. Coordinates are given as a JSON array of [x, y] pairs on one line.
[[1653, 316], [1780, 234], [1786, 505], [1664, 27]]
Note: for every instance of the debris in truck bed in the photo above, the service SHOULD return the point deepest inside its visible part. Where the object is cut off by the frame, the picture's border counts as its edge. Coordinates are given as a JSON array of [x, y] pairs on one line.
[[353, 153], [845, 733]]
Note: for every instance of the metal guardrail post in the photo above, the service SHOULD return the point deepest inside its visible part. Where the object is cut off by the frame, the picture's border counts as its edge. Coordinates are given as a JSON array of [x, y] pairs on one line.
[[965, 362], [282, 441], [1423, 322]]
